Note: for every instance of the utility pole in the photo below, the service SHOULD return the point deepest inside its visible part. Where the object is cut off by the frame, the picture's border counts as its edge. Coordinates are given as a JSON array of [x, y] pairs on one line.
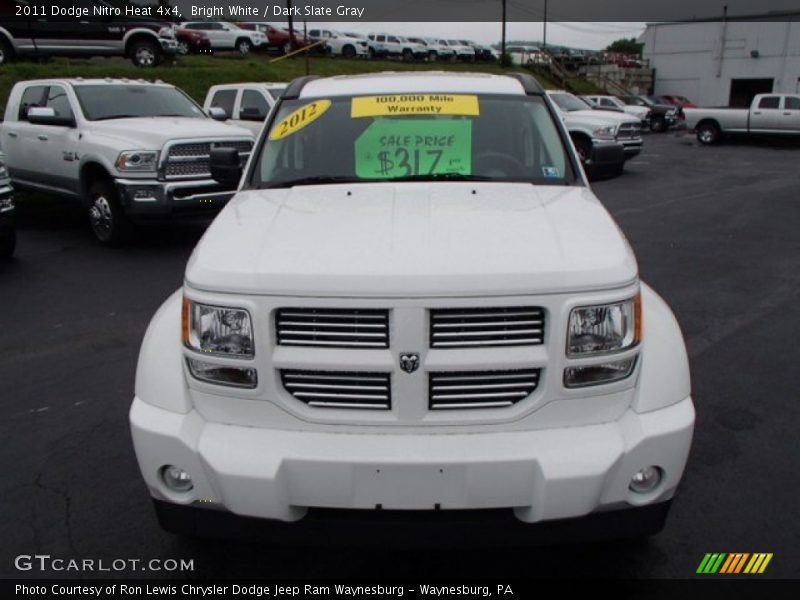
[[544, 41], [503, 58], [291, 25]]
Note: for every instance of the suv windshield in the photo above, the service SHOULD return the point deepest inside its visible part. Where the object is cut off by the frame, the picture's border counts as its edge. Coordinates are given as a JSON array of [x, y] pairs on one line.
[[568, 102], [412, 137], [102, 102]]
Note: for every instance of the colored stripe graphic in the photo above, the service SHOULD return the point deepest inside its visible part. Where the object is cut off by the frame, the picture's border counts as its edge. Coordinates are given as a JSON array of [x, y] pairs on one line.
[[734, 563]]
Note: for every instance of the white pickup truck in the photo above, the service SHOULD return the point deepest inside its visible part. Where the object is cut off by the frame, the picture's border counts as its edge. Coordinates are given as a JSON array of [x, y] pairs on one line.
[[769, 114], [413, 303], [591, 130], [130, 150], [245, 104]]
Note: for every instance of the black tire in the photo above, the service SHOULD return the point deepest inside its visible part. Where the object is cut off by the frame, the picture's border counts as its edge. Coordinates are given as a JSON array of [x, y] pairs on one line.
[[408, 55], [7, 244], [144, 53], [371, 53], [349, 51], [433, 56], [6, 51], [708, 133], [584, 148], [244, 46], [109, 223], [658, 125]]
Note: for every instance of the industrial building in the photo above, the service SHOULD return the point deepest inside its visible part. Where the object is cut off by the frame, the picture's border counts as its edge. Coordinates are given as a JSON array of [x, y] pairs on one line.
[[725, 62]]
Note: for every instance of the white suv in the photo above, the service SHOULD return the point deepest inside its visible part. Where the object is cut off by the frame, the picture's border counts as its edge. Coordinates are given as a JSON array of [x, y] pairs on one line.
[[340, 44], [228, 36], [413, 303]]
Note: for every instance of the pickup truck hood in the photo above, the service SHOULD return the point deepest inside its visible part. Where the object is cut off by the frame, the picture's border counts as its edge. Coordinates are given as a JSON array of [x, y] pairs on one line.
[[411, 240], [150, 133], [596, 116]]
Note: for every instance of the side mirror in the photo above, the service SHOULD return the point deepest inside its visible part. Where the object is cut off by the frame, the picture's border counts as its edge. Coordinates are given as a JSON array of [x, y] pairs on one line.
[[217, 113], [226, 167], [45, 115], [251, 114]]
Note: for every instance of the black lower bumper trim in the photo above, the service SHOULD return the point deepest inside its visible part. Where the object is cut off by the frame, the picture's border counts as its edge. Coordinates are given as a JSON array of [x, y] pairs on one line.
[[397, 528]]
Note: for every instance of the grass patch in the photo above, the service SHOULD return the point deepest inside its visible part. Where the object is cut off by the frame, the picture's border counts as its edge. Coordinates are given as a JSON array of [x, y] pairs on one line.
[[195, 74]]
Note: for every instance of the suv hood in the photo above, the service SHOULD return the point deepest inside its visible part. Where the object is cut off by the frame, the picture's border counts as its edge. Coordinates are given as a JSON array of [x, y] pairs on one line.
[[153, 132], [411, 240], [595, 116]]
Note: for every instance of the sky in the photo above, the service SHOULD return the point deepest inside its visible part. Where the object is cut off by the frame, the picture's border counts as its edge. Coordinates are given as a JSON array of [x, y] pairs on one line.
[[588, 36]]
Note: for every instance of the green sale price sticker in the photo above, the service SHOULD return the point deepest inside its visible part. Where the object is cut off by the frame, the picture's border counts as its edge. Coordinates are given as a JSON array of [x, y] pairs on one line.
[[392, 148]]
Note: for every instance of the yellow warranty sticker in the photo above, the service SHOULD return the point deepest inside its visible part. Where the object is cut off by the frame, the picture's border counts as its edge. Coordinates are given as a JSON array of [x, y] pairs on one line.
[[415, 104], [297, 119]]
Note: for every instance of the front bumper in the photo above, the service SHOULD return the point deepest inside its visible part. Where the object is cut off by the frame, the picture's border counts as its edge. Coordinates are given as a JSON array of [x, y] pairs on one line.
[[632, 147], [541, 475], [6, 211], [143, 198], [169, 46]]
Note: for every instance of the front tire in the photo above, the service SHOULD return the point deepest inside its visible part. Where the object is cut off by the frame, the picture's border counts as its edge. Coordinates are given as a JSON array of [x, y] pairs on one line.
[[433, 56], [708, 133], [348, 51], [109, 223], [658, 125], [584, 149], [244, 46], [6, 51], [408, 56], [145, 53]]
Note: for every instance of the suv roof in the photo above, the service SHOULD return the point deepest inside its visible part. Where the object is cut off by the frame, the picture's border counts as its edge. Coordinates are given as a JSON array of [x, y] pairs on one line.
[[94, 81], [391, 82]]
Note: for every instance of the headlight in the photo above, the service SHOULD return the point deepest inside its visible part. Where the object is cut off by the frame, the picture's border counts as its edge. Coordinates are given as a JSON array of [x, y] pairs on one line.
[[137, 160], [604, 328], [3, 170], [605, 133], [217, 330], [6, 204], [166, 32]]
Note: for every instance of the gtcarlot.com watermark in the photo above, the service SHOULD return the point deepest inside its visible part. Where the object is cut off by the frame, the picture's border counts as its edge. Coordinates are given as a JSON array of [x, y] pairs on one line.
[[46, 563]]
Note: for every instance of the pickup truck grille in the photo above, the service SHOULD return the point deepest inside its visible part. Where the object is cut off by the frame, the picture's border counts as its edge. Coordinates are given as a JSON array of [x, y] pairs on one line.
[[192, 160], [480, 389], [339, 389], [481, 327], [332, 327], [628, 131]]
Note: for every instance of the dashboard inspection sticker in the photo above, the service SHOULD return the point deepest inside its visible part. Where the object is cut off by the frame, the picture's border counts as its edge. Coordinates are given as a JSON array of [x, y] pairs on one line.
[[551, 172], [392, 148], [297, 119], [415, 104]]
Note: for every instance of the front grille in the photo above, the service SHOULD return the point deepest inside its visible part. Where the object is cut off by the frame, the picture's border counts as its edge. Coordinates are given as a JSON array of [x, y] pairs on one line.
[[193, 159], [481, 327], [332, 327], [339, 389], [629, 131], [480, 389]]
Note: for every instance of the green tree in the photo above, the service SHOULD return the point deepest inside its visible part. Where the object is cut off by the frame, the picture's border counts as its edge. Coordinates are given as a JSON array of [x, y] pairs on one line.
[[626, 46]]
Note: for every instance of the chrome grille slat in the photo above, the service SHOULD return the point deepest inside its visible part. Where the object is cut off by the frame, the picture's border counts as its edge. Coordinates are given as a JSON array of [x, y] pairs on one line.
[[193, 159], [480, 389], [332, 389], [482, 327], [329, 327]]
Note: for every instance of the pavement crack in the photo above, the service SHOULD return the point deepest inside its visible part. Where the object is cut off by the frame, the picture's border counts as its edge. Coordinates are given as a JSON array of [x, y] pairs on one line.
[[67, 498]]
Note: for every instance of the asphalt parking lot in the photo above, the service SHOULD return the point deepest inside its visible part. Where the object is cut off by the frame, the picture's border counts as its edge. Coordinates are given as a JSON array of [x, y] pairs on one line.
[[716, 234]]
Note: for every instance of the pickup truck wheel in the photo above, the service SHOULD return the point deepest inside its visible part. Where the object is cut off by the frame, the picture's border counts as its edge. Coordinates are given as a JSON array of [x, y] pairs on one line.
[[145, 53], [408, 55], [348, 51], [658, 125], [584, 148], [244, 47], [109, 223], [433, 55], [708, 133], [6, 53]]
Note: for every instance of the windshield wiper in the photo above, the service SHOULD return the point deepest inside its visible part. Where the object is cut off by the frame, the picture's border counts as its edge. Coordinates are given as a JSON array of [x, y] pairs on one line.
[[314, 180], [442, 177], [110, 117]]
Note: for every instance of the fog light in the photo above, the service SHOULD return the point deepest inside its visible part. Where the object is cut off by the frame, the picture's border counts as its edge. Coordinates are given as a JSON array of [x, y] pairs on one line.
[[176, 478], [645, 480], [241, 377], [144, 195]]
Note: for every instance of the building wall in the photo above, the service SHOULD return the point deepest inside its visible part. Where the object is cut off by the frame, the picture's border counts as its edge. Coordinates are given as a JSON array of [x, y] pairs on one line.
[[686, 57]]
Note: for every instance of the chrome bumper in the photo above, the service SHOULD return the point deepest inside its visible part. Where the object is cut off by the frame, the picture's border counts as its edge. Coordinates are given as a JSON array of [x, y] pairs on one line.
[[151, 197]]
